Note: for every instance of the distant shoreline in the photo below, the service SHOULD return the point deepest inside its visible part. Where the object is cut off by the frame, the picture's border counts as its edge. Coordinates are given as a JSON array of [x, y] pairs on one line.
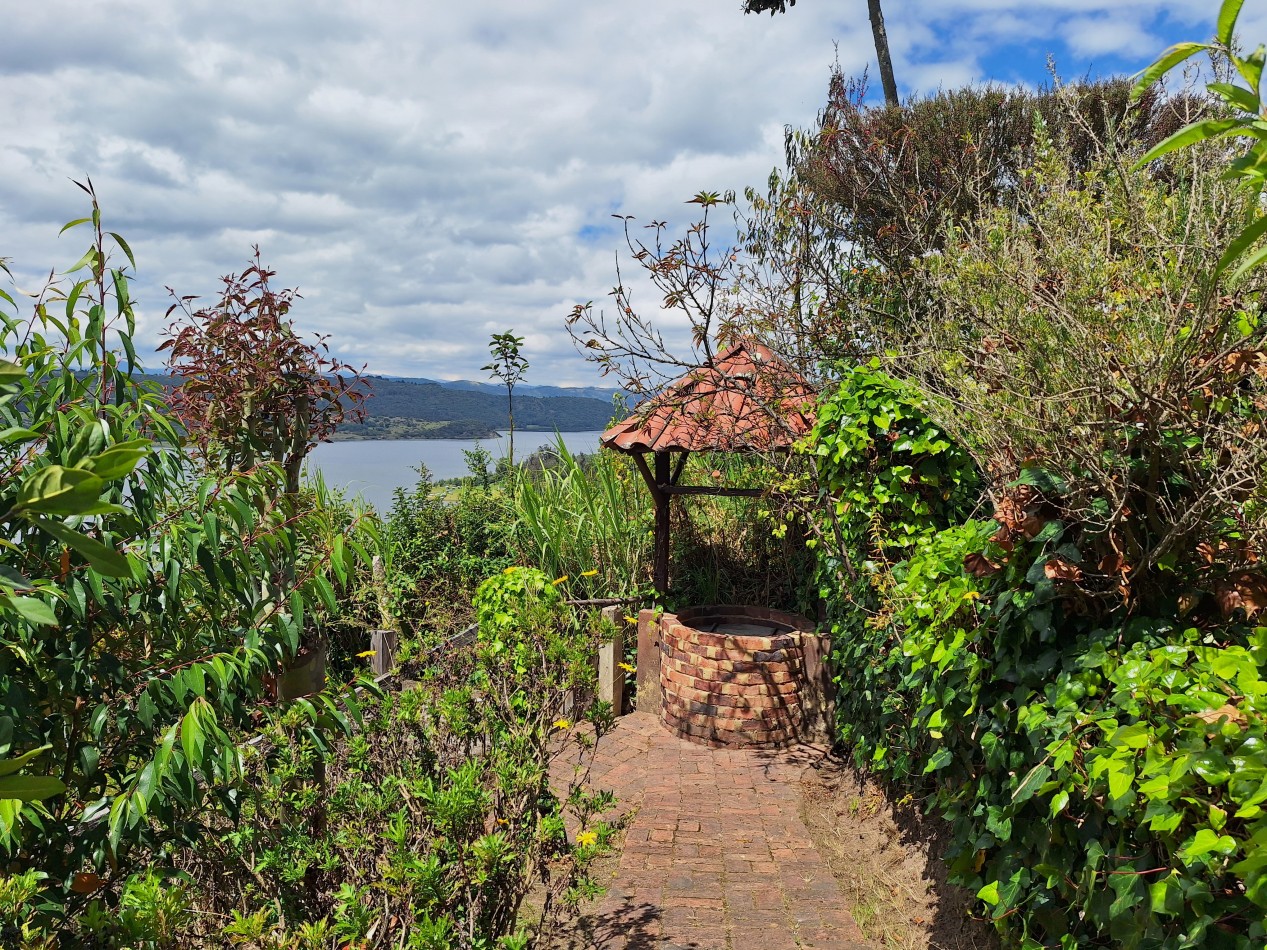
[[440, 436]]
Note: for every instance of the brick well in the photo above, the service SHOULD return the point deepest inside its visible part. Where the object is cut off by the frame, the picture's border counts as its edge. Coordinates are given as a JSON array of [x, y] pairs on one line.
[[736, 677]]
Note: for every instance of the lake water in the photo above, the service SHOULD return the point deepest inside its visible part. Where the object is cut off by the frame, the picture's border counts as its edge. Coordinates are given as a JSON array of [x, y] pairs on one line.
[[375, 468]]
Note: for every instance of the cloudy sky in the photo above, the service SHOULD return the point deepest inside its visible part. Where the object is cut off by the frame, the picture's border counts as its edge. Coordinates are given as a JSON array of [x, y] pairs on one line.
[[429, 173]]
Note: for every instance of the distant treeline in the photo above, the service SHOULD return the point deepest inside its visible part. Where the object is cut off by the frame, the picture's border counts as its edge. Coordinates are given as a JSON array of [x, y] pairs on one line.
[[399, 401], [396, 427], [405, 409]]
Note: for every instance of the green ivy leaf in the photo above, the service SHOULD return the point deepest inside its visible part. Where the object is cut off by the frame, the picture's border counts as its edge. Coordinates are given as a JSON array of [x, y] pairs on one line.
[[1031, 783], [940, 759], [1166, 895], [990, 893], [1059, 802], [1206, 842], [1121, 776]]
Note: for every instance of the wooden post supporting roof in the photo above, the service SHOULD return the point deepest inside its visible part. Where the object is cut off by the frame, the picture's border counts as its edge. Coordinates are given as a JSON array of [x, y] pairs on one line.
[[662, 523]]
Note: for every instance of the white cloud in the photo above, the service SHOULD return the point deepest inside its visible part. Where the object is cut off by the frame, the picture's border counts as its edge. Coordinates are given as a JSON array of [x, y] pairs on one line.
[[429, 172]]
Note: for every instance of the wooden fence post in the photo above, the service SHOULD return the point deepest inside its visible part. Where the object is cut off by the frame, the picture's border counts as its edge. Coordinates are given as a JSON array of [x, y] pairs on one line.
[[611, 678], [384, 644], [650, 699]]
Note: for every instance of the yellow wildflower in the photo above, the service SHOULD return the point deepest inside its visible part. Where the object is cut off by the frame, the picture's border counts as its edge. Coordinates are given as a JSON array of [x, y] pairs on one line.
[[510, 570], [586, 838], [563, 724], [589, 573], [559, 580], [629, 619], [364, 653], [627, 667], [972, 595]]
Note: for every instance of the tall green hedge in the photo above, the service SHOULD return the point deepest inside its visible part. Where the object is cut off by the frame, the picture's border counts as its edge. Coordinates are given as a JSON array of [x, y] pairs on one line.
[[1104, 778]]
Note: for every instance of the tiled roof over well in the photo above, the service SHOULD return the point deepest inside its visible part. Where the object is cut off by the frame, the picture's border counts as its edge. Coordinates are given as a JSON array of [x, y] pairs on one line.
[[748, 399]]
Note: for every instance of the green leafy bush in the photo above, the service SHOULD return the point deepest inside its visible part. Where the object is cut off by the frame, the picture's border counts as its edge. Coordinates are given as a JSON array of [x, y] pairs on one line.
[[1077, 685], [145, 608], [435, 820], [443, 543], [1104, 785], [1085, 358], [887, 476]]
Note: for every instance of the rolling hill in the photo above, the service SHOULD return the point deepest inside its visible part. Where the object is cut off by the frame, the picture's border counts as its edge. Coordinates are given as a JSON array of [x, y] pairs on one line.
[[427, 409], [423, 409]]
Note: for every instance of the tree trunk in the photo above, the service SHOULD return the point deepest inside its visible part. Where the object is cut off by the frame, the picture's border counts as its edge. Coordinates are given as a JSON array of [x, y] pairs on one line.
[[510, 413], [882, 52]]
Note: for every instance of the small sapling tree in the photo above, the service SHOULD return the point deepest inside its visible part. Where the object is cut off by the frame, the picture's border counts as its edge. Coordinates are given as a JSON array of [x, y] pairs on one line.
[[509, 366]]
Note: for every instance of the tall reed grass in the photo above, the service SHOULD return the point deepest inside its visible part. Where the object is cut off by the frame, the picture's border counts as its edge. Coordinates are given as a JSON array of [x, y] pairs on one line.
[[590, 521]]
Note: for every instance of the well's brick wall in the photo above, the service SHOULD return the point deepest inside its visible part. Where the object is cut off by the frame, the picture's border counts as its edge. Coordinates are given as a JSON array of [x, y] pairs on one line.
[[736, 691]]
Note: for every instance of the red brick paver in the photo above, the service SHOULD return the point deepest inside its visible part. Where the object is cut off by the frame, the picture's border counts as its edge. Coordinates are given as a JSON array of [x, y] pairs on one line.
[[717, 857]]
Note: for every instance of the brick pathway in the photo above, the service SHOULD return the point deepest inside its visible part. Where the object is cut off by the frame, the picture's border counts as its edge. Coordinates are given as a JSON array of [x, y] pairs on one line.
[[717, 857]]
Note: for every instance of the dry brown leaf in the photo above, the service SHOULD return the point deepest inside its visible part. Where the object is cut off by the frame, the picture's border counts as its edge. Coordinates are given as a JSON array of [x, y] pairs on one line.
[[1032, 524], [1114, 564], [1058, 569], [1244, 591], [1003, 538], [1226, 711], [85, 882], [978, 565]]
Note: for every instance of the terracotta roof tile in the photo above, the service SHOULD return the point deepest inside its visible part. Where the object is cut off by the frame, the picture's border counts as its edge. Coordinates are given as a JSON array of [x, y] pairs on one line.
[[748, 399]]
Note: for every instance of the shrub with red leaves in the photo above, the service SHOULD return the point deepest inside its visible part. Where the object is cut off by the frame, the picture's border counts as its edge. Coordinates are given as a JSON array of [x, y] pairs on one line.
[[251, 389]]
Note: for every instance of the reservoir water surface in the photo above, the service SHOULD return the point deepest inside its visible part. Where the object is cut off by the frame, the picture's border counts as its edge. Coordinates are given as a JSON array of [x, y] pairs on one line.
[[373, 469]]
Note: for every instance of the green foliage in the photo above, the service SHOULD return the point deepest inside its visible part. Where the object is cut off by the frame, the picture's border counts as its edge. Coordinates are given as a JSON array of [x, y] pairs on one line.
[[508, 365], [435, 819], [19, 924], [506, 602], [1103, 780], [443, 543], [586, 519], [145, 609], [1104, 785], [1243, 108], [152, 913], [1081, 354], [1099, 757], [888, 476]]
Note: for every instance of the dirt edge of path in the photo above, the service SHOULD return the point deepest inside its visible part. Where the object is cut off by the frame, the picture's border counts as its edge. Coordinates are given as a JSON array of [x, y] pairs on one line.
[[887, 861]]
